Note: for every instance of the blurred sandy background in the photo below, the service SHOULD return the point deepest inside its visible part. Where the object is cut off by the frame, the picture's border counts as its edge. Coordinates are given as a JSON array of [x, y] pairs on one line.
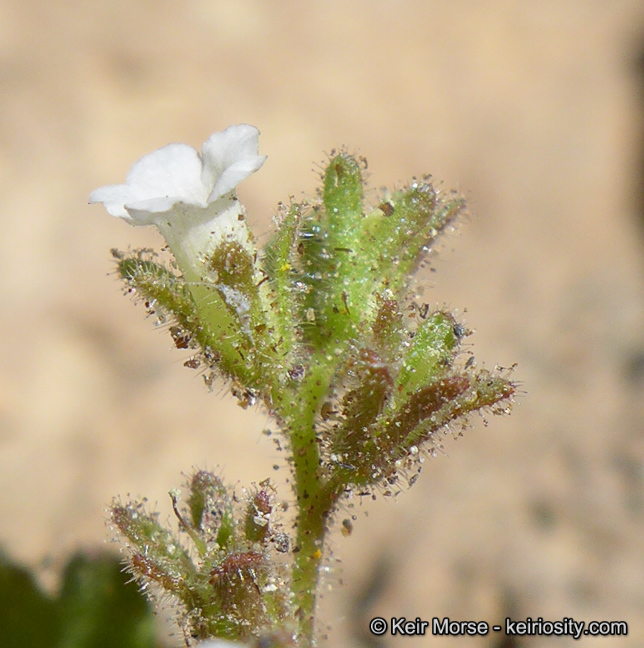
[[533, 109]]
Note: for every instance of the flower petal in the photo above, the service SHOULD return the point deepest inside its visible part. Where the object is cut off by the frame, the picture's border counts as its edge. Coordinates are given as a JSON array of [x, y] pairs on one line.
[[161, 179], [189, 197], [149, 212], [172, 171], [114, 198], [229, 157]]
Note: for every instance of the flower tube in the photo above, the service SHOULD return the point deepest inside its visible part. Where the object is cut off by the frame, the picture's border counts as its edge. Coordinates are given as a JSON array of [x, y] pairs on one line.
[[190, 197]]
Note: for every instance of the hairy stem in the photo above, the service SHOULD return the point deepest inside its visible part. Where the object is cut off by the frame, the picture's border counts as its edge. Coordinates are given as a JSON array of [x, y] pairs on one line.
[[314, 499]]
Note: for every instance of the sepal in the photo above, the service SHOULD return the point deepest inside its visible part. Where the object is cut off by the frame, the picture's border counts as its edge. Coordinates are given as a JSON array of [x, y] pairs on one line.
[[225, 576], [431, 352], [203, 319], [390, 446], [156, 553], [402, 231]]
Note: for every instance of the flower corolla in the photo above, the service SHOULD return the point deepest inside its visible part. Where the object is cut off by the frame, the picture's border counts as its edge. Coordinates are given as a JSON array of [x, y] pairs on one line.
[[190, 197]]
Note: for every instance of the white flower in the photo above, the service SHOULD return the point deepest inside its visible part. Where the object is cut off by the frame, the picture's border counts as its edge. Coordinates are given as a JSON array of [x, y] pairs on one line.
[[189, 197]]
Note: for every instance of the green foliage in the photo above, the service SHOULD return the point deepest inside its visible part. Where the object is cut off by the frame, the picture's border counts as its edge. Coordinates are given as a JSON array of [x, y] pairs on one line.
[[320, 327], [431, 351], [22, 601], [95, 608], [225, 574]]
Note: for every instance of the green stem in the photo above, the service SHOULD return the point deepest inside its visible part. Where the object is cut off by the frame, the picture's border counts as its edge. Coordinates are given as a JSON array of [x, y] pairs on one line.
[[311, 530], [314, 499]]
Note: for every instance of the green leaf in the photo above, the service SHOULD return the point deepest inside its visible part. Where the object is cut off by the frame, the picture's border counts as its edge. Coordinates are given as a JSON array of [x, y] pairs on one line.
[[342, 197], [99, 609], [401, 232], [211, 507], [327, 260], [28, 616], [279, 262], [156, 554], [428, 410], [362, 405], [388, 329], [430, 353], [198, 308]]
